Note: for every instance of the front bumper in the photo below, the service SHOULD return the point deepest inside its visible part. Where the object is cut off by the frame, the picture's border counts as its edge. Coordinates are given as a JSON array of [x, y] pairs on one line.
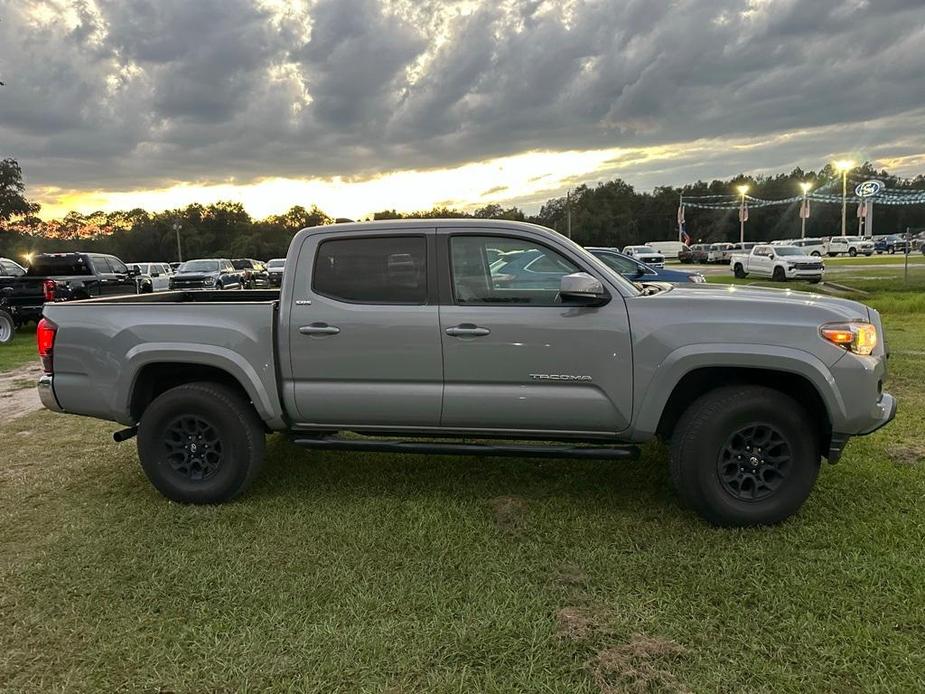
[[794, 273], [46, 390], [882, 414]]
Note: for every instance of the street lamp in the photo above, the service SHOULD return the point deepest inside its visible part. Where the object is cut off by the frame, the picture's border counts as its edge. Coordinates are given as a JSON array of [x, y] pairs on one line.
[[805, 186], [844, 165], [176, 228], [743, 215]]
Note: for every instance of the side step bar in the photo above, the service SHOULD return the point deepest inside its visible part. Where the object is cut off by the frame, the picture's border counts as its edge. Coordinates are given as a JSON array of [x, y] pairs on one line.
[[334, 443]]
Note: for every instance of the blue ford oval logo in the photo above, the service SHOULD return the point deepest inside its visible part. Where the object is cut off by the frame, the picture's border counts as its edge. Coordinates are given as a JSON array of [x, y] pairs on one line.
[[868, 189]]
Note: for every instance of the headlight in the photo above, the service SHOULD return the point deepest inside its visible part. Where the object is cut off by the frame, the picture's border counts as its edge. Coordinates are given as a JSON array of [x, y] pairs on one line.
[[698, 278], [856, 336], [209, 281]]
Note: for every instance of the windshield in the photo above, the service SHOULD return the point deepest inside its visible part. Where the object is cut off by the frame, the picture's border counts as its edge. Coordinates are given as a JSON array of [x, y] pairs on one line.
[[241, 264], [789, 250], [45, 265], [199, 266]]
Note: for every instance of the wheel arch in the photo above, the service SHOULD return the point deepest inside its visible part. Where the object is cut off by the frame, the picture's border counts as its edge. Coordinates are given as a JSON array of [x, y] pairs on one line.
[[155, 372], [686, 374], [700, 381]]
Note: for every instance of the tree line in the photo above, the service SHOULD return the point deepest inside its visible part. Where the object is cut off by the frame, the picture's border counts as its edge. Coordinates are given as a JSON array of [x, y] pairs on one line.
[[605, 214]]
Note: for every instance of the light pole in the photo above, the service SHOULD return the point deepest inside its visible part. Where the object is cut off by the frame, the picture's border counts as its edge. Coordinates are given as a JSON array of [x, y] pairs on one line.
[[844, 165], [176, 228], [804, 208], [743, 214]]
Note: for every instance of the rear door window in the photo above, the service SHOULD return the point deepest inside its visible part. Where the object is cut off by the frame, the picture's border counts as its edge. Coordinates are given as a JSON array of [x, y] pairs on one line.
[[390, 270]]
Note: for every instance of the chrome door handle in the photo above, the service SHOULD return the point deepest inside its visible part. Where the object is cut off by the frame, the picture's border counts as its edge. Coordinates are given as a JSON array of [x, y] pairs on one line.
[[467, 330], [319, 329]]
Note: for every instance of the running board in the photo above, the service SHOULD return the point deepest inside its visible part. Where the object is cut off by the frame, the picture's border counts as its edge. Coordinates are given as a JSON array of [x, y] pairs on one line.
[[335, 443]]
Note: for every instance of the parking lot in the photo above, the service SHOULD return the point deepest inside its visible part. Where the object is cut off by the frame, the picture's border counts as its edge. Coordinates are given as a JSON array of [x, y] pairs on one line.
[[365, 571]]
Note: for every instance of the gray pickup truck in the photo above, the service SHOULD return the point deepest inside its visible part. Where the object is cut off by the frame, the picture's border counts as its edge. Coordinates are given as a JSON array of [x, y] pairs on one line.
[[416, 336]]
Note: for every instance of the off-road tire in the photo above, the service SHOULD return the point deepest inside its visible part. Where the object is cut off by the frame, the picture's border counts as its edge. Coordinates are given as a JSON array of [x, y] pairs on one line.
[[739, 271], [778, 274], [237, 434], [700, 442]]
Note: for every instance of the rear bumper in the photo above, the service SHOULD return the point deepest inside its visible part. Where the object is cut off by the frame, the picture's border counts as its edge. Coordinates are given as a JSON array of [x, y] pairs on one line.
[[47, 393]]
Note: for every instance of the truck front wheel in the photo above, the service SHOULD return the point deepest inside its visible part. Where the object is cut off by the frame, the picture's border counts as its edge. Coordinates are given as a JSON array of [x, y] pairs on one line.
[[778, 275], [200, 443], [744, 455]]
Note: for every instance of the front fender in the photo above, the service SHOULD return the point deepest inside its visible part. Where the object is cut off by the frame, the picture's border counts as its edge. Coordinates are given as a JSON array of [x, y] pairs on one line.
[[653, 396]]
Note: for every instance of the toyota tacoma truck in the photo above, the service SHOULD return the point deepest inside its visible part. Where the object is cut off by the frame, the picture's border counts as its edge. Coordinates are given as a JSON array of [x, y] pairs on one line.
[[779, 263], [397, 336]]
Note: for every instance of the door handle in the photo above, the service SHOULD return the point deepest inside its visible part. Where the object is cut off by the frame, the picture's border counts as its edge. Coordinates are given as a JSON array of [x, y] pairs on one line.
[[467, 330], [319, 329]]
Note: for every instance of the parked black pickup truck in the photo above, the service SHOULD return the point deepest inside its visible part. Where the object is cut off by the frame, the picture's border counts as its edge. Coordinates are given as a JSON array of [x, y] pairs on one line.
[[63, 277]]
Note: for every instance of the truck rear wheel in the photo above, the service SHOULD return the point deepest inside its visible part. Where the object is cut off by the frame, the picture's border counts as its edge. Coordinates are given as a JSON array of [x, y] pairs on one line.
[[201, 443], [739, 271], [744, 455], [7, 327]]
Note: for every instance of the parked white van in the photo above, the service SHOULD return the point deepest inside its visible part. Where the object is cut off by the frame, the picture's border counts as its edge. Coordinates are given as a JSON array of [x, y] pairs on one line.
[[669, 249]]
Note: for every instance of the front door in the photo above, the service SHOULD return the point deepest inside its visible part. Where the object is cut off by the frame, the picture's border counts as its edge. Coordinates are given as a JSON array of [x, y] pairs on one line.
[[364, 341], [515, 357]]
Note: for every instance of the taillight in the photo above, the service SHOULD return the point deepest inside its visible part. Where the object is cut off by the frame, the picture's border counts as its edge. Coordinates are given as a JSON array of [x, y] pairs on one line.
[[48, 290], [45, 337]]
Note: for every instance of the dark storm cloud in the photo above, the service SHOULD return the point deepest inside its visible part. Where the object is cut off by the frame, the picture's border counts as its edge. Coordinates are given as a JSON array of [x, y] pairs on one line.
[[130, 93]]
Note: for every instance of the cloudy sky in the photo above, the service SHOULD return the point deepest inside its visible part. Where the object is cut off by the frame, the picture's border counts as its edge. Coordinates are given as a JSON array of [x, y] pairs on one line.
[[360, 105]]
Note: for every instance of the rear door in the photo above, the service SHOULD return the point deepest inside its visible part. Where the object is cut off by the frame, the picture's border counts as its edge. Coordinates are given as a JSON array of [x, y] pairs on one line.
[[516, 358], [363, 332]]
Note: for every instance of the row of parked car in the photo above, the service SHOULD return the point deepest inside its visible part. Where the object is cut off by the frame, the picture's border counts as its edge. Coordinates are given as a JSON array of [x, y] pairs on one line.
[[830, 246], [209, 273], [24, 290]]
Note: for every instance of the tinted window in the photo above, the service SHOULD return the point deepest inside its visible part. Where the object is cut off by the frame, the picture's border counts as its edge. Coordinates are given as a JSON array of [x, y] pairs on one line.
[[117, 265], [373, 271], [526, 274], [242, 264], [199, 266], [619, 263], [62, 265]]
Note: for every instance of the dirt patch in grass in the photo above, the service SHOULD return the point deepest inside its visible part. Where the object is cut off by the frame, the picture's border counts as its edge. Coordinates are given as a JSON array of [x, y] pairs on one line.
[[510, 513], [640, 665], [581, 623], [17, 394], [906, 455]]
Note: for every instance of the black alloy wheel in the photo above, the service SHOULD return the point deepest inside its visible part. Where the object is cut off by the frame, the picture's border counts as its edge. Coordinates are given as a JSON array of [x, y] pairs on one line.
[[754, 462], [193, 447]]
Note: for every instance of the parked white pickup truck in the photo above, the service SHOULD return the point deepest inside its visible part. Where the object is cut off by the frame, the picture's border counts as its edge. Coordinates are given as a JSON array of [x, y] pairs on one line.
[[852, 245], [779, 263]]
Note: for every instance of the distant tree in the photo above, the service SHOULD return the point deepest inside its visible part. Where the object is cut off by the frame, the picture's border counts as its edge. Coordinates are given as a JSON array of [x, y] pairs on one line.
[[13, 202]]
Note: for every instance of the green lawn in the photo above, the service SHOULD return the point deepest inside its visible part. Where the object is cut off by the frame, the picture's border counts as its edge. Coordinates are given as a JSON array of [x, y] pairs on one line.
[[885, 259], [373, 572], [20, 351]]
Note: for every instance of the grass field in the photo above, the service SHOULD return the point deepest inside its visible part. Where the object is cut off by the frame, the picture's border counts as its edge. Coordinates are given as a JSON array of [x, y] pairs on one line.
[[20, 351], [372, 572]]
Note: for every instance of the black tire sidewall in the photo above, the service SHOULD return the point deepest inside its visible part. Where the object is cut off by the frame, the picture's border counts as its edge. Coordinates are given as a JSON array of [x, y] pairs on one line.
[[698, 468], [234, 421]]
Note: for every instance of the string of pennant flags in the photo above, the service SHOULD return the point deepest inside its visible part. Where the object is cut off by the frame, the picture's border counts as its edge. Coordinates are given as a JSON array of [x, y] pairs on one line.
[[864, 194]]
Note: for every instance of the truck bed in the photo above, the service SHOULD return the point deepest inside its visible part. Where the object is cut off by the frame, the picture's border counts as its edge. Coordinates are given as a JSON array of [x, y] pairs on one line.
[[103, 345]]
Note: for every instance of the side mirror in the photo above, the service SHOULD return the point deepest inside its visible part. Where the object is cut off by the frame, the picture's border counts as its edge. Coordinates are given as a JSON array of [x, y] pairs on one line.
[[582, 288]]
